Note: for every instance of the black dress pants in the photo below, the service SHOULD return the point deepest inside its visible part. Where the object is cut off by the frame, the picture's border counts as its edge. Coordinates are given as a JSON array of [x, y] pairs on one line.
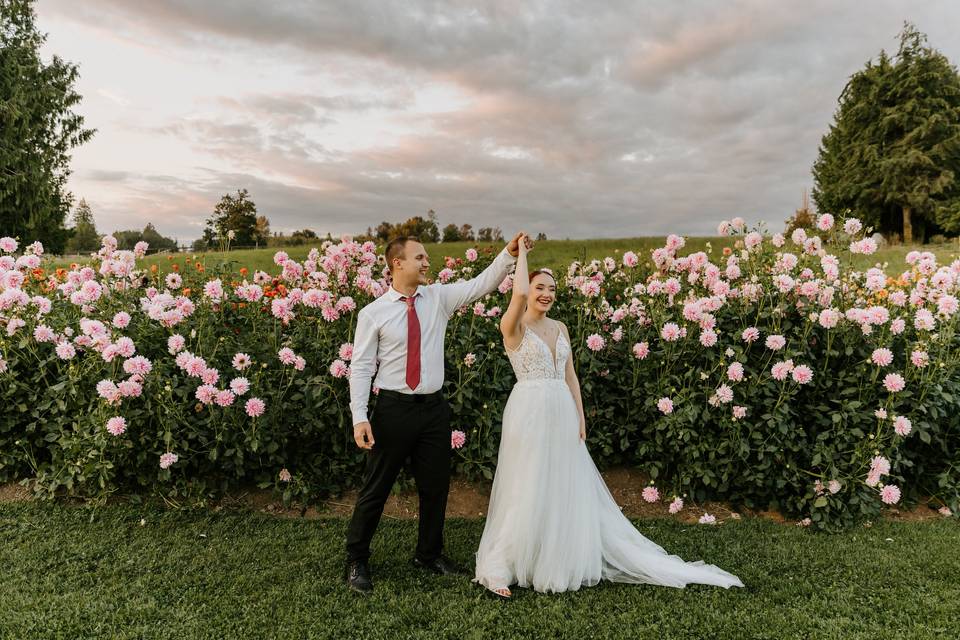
[[401, 429]]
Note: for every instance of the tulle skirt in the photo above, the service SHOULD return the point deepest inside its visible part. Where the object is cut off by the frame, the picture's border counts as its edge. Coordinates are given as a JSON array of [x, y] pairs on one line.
[[552, 523]]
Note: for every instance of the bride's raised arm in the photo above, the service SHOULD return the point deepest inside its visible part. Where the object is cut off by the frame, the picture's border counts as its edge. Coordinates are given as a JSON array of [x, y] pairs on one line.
[[510, 321]]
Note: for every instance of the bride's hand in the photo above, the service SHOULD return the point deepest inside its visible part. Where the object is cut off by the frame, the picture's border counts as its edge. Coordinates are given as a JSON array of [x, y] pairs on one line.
[[524, 244], [521, 239], [583, 432]]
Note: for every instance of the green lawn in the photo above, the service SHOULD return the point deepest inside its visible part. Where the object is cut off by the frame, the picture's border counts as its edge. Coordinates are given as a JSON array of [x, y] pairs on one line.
[[70, 572], [556, 254]]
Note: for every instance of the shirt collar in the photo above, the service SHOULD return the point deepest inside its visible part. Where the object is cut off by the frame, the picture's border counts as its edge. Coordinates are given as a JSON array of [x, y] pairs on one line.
[[394, 295]]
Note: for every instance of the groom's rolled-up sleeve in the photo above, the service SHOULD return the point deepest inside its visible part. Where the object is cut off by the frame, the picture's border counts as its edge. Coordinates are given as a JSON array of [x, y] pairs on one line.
[[457, 294], [363, 365]]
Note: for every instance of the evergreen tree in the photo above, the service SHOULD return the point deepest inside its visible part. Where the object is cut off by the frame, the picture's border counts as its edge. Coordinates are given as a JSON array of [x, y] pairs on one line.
[[84, 237], [892, 155], [38, 128]]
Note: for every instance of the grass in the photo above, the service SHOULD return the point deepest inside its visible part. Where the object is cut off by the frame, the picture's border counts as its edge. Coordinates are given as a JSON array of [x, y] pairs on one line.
[[69, 572], [556, 254]]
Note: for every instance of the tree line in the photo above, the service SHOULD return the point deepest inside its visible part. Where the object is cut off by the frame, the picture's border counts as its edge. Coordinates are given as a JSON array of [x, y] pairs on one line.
[[235, 224], [428, 230], [84, 237]]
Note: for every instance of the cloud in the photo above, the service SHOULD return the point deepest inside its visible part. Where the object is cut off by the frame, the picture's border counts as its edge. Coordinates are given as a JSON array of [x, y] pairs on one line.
[[103, 175], [578, 119]]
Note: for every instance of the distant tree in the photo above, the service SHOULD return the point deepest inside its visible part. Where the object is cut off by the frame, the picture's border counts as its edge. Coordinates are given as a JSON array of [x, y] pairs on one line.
[[84, 237], [128, 239], [384, 231], [803, 218], [262, 232], [366, 235], [451, 233], [38, 128], [157, 241], [302, 237], [892, 154], [428, 230], [489, 234], [424, 228], [236, 214], [541, 236]]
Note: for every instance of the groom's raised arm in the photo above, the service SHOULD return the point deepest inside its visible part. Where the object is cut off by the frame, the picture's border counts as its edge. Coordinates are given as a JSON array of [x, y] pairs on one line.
[[457, 294], [363, 365]]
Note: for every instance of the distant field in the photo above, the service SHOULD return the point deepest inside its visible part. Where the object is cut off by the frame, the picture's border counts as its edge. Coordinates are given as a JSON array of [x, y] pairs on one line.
[[555, 254]]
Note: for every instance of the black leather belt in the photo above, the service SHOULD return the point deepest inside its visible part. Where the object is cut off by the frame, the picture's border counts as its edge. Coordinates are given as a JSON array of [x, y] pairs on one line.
[[418, 398]]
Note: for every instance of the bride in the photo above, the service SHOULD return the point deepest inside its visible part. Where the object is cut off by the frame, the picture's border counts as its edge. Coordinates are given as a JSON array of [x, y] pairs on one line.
[[552, 523]]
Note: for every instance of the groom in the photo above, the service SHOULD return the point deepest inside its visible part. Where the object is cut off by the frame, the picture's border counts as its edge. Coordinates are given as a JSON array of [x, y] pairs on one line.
[[404, 330]]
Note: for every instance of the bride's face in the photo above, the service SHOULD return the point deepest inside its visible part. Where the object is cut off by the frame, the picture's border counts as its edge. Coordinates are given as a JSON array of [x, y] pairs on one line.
[[543, 292]]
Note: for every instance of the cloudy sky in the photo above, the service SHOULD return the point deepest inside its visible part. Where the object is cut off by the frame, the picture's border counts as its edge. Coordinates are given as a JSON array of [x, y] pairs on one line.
[[578, 119]]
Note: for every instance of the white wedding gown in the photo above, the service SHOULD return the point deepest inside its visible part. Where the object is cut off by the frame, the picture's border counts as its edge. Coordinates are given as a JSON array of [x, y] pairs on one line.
[[552, 523]]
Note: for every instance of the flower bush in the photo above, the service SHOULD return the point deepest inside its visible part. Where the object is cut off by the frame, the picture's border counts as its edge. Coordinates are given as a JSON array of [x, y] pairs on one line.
[[117, 379], [772, 375]]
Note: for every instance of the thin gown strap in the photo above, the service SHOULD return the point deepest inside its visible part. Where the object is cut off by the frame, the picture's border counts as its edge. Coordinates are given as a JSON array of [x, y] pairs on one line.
[[523, 334], [559, 330]]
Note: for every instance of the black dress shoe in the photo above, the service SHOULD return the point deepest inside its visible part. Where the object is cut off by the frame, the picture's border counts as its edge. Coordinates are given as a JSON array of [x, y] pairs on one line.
[[441, 566], [357, 576]]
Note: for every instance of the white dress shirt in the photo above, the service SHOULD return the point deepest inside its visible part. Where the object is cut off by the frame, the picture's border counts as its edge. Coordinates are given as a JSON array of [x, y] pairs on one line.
[[381, 334]]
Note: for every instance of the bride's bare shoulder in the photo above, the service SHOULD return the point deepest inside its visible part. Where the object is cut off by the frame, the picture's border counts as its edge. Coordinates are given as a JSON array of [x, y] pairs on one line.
[[563, 328]]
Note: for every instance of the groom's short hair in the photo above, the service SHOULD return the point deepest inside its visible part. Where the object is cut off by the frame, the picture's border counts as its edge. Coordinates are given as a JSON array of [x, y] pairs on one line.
[[395, 249]]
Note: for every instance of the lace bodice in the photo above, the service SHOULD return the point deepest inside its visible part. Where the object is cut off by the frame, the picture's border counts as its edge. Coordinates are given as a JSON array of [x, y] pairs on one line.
[[533, 360]]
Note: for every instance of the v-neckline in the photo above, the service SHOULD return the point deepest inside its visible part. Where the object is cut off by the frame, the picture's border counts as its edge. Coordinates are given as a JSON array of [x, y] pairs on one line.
[[556, 345]]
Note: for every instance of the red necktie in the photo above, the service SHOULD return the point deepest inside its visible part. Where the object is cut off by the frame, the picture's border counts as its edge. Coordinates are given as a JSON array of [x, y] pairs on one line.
[[413, 343]]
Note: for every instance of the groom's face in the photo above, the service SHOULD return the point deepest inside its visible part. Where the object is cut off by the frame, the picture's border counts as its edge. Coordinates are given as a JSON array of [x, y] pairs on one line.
[[414, 266]]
